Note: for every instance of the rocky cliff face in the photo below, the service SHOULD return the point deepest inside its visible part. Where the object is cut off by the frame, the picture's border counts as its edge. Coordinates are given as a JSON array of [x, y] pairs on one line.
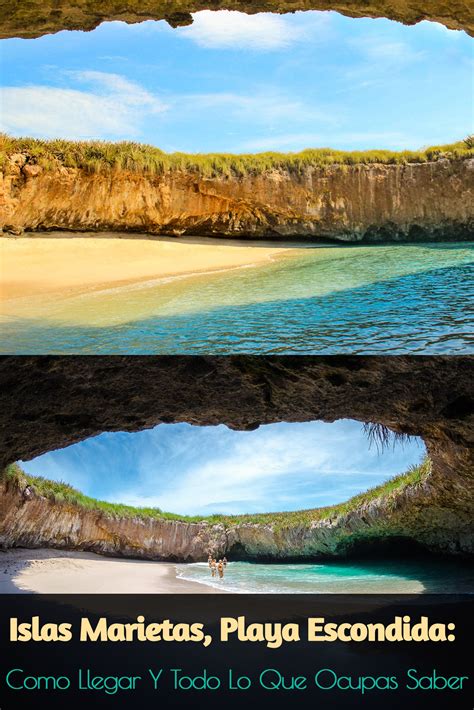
[[37, 17], [371, 202], [414, 515], [38, 522]]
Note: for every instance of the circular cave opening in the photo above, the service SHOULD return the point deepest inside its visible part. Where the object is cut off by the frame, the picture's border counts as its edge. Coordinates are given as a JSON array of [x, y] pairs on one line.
[[197, 472], [294, 507]]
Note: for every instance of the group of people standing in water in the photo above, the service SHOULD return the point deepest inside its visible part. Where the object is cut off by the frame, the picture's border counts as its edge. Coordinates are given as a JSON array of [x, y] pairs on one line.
[[217, 567]]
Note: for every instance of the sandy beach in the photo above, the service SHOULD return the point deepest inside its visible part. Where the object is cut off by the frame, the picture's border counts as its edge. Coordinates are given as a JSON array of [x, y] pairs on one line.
[[36, 265], [62, 572]]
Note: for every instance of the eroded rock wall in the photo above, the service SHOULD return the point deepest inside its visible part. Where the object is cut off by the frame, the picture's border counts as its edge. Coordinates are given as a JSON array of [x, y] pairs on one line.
[[415, 515], [433, 200], [38, 522]]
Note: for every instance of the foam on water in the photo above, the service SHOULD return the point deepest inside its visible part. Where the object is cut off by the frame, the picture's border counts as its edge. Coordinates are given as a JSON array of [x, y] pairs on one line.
[[382, 577]]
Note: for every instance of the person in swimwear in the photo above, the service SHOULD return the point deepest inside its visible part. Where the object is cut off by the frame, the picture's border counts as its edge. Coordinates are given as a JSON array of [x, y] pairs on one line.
[[220, 569]]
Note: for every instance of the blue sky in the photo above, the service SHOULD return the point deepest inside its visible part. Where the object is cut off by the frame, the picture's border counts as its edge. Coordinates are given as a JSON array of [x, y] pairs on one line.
[[200, 470], [237, 83]]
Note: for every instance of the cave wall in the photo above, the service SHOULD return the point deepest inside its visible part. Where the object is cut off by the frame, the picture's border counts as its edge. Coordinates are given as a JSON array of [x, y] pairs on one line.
[[424, 515], [433, 200], [33, 18], [39, 522]]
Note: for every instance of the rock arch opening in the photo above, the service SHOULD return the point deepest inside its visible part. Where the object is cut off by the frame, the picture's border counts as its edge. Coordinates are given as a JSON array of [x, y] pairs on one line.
[[212, 472], [53, 402]]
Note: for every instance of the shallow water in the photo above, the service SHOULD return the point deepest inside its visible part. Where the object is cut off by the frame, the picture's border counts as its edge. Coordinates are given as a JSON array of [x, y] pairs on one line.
[[381, 577], [366, 299]]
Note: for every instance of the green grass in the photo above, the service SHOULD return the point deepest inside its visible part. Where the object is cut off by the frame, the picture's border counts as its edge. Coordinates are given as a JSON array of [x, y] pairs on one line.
[[100, 157], [60, 492]]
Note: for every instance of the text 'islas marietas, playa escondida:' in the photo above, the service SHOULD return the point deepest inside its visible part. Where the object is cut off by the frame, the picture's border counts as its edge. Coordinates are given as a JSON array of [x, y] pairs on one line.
[[273, 634]]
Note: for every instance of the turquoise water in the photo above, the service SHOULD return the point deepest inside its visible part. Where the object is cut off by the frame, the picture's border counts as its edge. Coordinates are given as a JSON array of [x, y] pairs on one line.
[[381, 577], [394, 299]]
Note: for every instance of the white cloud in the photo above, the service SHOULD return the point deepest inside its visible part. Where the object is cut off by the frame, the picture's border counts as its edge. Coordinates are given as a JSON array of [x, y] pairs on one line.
[[236, 30], [101, 105], [276, 466], [436, 27], [110, 107], [188, 469]]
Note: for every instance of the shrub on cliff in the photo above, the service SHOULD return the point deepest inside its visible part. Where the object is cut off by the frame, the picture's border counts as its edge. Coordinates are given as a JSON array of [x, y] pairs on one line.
[[62, 493], [99, 156]]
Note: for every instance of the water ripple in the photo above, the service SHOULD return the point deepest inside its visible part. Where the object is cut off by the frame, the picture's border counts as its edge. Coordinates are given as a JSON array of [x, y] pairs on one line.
[[390, 300]]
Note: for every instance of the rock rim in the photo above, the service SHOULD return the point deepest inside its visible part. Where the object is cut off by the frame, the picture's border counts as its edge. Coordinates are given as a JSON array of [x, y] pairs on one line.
[[35, 18]]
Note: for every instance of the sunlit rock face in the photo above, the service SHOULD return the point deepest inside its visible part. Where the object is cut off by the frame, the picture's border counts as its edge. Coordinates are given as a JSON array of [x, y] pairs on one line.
[[421, 515], [39, 522], [352, 203], [50, 402], [39, 17]]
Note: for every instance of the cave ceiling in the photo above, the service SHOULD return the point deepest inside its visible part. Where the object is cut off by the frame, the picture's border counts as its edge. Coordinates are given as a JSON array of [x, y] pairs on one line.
[[33, 18], [50, 402]]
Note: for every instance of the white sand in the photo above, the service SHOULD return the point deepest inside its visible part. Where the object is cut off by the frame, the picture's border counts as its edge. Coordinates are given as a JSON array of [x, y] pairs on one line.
[[61, 572], [34, 265]]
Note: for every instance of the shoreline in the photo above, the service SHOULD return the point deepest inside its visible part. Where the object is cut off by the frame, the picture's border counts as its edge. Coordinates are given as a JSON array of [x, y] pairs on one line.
[[114, 279], [49, 571], [35, 266], [57, 572]]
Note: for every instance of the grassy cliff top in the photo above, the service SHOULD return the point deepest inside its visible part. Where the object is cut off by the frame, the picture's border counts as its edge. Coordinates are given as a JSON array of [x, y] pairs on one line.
[[60, 492], [98, 156]]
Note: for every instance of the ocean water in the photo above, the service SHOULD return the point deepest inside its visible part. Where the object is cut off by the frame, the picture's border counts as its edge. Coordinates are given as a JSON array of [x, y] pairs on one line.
[[377, 577], [393, 299]]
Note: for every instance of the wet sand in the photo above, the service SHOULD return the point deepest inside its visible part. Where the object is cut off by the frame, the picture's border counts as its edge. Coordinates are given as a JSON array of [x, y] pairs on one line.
[[62, 572], [37, 265]]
